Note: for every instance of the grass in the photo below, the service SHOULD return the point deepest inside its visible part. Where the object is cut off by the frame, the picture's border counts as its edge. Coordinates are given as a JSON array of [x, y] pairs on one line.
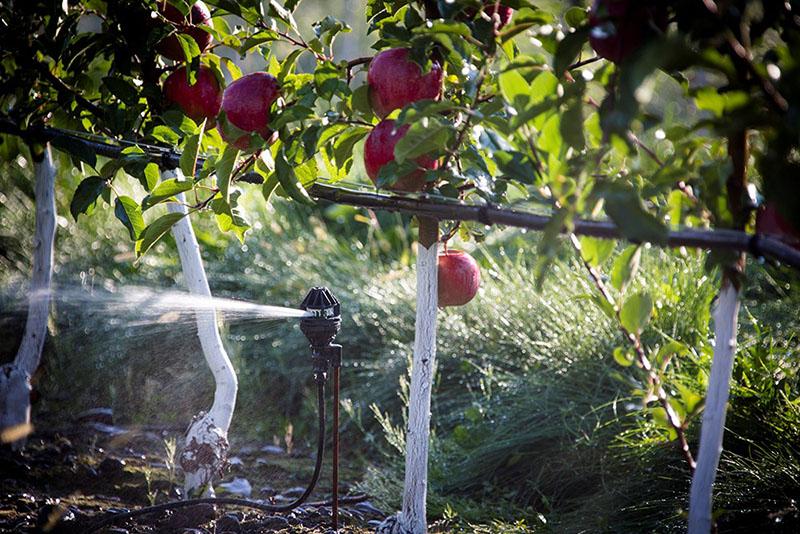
[[536, 428]]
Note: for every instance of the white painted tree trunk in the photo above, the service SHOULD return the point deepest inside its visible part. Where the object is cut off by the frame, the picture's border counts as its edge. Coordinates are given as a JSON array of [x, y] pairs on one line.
[[711, 433], [415, 489], [205, 450], [15, 387], [412, 518]]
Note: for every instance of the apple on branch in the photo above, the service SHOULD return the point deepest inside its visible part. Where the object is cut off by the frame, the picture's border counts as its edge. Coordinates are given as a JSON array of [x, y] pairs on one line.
[[379, 151], [770, 221], [170, 47], [198, 101], [395, 81], [459, 278], [246, 105], [620, 27]]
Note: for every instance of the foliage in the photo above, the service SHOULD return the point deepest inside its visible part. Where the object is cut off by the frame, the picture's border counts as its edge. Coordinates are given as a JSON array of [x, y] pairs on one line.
[[517, 122]]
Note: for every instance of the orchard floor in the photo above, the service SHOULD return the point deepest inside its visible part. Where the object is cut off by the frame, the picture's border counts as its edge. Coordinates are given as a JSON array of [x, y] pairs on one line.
[[65, 477]]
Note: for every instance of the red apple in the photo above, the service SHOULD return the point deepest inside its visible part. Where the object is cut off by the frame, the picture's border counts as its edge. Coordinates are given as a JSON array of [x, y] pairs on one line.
[[770, 221], [459, 278], [396, 81], [620, 27], [379, 150], [246, 103], [199, 14], [199, 101]]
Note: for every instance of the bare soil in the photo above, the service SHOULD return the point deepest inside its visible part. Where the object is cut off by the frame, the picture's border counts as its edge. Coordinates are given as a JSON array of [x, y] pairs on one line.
[[65, 480]]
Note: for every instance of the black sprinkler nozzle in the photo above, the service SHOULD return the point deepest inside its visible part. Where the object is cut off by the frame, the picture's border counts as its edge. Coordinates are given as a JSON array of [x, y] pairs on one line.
[[321, 329]]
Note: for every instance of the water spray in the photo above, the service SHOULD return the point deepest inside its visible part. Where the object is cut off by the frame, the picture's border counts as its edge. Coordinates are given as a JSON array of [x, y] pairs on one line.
[[320, 324]]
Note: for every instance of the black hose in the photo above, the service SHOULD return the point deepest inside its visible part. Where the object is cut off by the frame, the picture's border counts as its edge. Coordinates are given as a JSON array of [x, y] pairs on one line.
[[272, 508]]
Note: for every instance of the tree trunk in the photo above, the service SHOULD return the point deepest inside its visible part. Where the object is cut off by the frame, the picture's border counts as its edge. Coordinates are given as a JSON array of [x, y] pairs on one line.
[[412, 519], [205, 449], [725, 323], [15, 387], [701, 497]]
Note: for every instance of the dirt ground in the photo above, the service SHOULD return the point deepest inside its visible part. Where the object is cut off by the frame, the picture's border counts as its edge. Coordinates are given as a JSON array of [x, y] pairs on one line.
[[66, 479]]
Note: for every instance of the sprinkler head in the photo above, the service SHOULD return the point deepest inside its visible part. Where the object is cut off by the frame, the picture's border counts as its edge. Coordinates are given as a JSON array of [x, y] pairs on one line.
[[321, 329]]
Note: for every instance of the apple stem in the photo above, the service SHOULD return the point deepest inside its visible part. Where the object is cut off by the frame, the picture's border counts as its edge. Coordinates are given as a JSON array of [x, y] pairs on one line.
[[15, 407]]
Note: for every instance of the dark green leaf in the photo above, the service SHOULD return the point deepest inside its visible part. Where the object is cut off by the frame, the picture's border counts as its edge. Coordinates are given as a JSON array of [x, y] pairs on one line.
[[128, 211], [568, 49], [191, 148], [289, 181], [155, 231], [164, 191], [85, 197], [424, 137], [223, 170], [627, 211]]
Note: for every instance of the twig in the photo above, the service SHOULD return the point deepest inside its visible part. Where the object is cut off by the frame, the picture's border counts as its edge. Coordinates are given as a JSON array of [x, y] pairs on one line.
[[653, 379], [583, 63]]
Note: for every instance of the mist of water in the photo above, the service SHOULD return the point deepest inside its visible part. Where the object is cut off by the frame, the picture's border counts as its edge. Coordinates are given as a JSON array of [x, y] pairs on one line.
[[140, 306]]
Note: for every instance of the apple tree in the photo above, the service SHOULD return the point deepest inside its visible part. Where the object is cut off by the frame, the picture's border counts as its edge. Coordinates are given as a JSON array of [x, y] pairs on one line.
[[657, 114]]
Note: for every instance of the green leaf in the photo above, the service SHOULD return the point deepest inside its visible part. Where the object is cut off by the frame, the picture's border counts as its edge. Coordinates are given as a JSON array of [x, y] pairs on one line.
[[515, 165], [625, 208], [568, 49], [572, 125], [128, 211], [514, 88], [576, 16], [223, 169], [85, 197], [623, 357], [596, 251], [626, 265], [360, 100], [708, 98], [289, 181], [328, 28], [189, 47], [166, 135], [164, 191], [424, 137], [122, 89], [264, 36], [152, 175], [191, 149], [635, 312], [155, 231]]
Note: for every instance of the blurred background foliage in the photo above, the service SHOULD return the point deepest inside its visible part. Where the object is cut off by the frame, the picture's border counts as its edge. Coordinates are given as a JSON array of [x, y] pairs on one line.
[[537, 426]]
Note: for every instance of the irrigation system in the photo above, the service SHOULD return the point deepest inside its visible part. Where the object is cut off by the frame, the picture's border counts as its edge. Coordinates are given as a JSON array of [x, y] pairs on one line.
[[321, 330], [429, 206]]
